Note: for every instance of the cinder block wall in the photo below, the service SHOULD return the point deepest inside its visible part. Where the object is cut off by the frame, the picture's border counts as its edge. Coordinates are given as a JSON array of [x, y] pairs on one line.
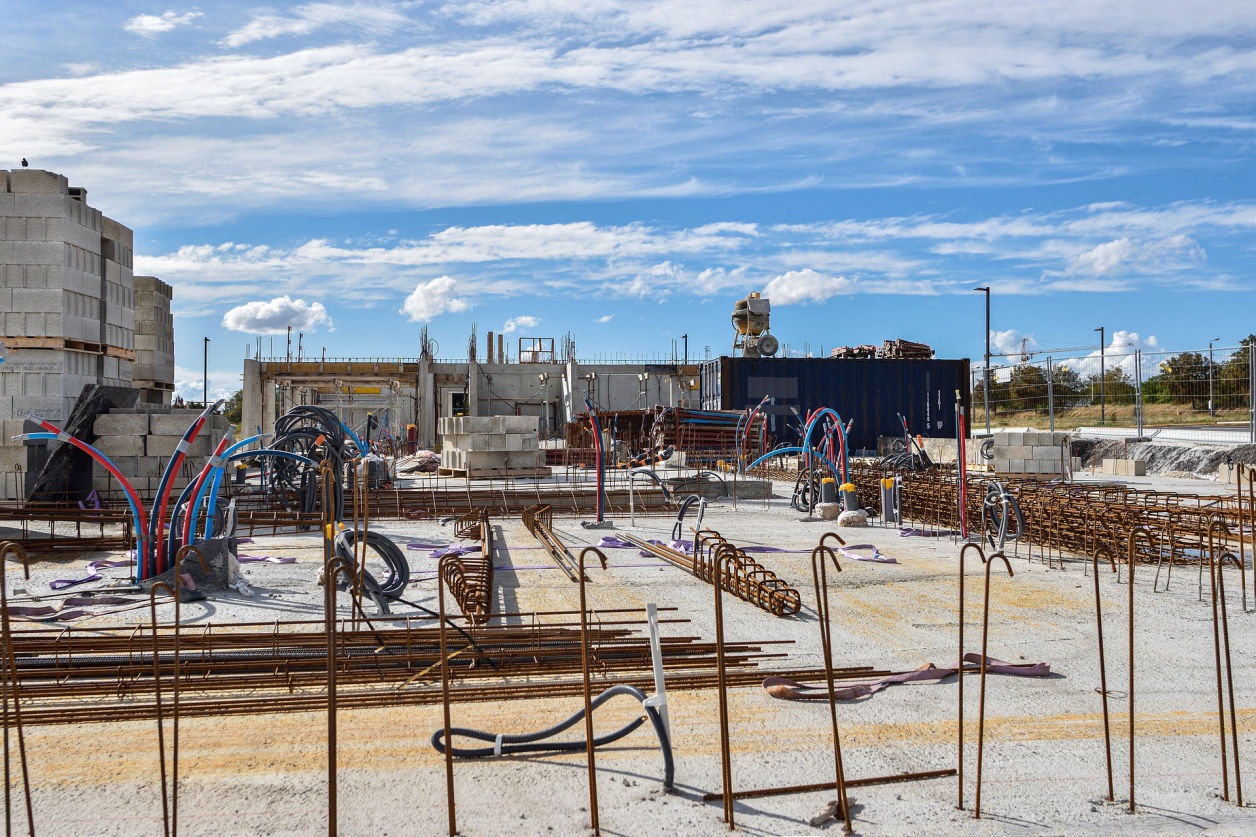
[[153, 371], [68, 305]]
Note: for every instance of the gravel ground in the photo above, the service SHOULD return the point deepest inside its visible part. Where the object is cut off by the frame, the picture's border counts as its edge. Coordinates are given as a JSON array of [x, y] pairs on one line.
[[1044, 758]]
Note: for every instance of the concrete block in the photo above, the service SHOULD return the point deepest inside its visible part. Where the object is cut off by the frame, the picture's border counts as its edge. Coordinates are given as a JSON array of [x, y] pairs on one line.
[[116, 424], [1016, 466], [1008, 439], [165, 446], [514, 442], [519, 424], [1138, 467], [1046, 452], [1019, 452], [37, 182], [172, 424]]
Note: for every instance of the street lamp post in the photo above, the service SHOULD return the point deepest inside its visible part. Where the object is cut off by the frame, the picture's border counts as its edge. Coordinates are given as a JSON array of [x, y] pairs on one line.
[[986, 369], [1212, 410], [1102, 406]]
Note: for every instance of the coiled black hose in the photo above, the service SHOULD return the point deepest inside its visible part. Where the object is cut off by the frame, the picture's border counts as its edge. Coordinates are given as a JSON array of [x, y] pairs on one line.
[[532, 742]]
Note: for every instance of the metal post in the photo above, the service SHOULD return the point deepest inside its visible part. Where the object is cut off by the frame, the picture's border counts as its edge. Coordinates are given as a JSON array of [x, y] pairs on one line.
[[1102, 346], [1251, 394], [1050, 395], [986, 369], [1138, 390], [205, 379], [1212, 410]]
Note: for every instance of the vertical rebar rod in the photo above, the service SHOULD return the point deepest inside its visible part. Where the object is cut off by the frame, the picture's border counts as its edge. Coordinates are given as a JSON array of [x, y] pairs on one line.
[[819, 575], [981, 700], [959, 670], [1103, 670], [726, 766], [588, 694], [13, 688], [327, 475], [444, 690]]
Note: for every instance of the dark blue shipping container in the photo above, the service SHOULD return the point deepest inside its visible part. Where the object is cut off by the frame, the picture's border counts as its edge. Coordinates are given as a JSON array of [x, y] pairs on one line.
[[872, 392]]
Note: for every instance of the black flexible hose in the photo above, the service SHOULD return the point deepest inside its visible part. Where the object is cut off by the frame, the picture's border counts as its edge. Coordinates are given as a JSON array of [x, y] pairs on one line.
[[531, 742], [686, 504]]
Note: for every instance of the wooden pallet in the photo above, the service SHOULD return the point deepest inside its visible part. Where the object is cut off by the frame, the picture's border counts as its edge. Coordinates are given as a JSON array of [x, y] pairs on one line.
[[494, 473]]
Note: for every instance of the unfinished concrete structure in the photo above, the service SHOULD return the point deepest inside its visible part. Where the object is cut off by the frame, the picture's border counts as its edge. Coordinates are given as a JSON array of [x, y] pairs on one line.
[[67, 308], [153, 371], [420, 390]]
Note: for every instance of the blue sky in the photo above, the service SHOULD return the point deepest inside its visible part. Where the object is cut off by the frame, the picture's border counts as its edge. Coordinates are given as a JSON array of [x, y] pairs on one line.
[[625, 171]]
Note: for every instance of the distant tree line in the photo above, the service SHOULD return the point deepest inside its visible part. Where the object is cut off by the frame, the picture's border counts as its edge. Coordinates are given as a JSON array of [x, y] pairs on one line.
[[1182, 379]]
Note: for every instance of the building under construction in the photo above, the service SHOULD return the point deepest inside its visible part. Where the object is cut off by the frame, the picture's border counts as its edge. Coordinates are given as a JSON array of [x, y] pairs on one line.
[[523, 593]]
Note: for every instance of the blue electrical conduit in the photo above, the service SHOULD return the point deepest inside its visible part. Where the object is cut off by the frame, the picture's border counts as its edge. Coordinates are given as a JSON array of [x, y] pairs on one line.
[[811, 425], [149, 562], [597, 444], [213, 482], [136, 519]]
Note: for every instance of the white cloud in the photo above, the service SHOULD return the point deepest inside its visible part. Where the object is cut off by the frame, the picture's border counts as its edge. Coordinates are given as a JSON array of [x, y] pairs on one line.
[[150, 26], [190, 383], [1009, 342], [275, 316], [1104, 258], [432, 298], [606, 318], [311, 17], [806, 286], [516, 323]]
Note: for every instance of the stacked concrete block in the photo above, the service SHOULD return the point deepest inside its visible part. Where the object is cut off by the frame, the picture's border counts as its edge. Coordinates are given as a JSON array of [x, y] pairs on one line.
[[153, 372], [141, 444], [66, 293], [1027, 452], [490, 443], [1125, 467]]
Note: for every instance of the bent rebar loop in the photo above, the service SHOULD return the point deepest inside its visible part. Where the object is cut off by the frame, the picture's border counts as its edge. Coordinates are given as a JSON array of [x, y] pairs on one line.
[[169, 799], [819, 577], [1131, 558], [959, 669], [1220, 637], [441, 569], [1225, 627], [195, 550], [1216, 526], [981, 702], [17, 549], [9, 665], [1216, 523], [1105, 551], [588, 694]]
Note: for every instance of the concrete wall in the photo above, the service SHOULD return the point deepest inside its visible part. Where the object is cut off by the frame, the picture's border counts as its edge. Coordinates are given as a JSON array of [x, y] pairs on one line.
[[550, 392]]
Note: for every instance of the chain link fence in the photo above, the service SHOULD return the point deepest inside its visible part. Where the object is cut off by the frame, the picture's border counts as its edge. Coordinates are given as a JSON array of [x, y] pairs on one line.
[[1124, 387]]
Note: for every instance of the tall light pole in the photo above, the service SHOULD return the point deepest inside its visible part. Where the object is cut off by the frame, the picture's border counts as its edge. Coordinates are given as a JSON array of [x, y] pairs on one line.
[[1102, 407], [1212, 410], [986, 370], [205, 379]]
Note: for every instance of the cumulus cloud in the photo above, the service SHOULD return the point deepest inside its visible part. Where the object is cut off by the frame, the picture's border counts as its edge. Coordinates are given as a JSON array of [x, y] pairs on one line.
[[432, 298], [806, 286], [191, 383], [311, 17], [606, 318], [516, 323], [1107, 257], [150, 26], [1009, 341], [275, 316]]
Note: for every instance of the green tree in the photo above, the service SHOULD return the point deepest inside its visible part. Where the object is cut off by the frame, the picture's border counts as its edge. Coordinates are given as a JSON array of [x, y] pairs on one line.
[[1027, 388], [1233, 382], [234, 408], [1185, 376]]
